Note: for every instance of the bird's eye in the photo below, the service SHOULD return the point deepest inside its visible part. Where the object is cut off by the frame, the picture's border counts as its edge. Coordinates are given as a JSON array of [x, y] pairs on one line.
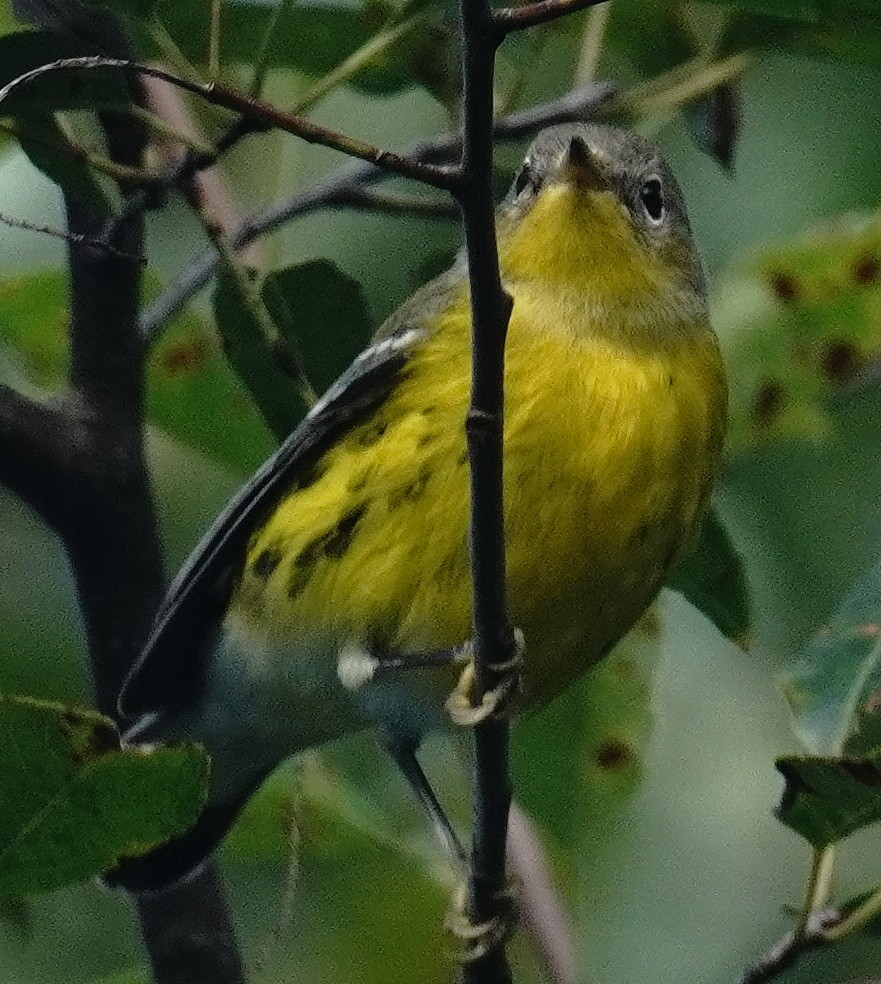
[[653, 199], [523, 179]]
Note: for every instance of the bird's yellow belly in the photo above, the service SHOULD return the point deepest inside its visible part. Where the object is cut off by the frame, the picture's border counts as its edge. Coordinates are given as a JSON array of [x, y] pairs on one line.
[[609, 456]]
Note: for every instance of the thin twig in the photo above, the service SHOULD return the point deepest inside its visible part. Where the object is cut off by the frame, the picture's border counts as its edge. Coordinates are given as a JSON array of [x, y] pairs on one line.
[[69, 237], [508, 19], [544, 917], [344, 183], [789, 948], [493, 637], [263, 114]]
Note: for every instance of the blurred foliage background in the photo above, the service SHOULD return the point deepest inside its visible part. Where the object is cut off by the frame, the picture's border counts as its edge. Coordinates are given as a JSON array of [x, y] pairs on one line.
[[652, 783]]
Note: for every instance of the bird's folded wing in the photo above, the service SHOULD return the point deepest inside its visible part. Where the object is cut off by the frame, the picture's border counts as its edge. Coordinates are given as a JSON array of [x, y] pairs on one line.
[[170, 669]]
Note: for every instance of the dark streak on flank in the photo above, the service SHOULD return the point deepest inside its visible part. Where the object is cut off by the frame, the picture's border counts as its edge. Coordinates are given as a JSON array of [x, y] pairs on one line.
[[266, 562], [333, 543], [357, 484], [341, 536], [412, 490], [369, 435], [308, 475]]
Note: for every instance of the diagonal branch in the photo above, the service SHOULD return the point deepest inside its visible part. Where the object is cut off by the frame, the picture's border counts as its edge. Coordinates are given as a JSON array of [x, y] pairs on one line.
[[263, 116], [338, 189], [508, 19]]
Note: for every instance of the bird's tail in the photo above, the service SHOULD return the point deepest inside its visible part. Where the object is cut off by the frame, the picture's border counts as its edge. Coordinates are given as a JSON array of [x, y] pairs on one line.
[[181, 857], [236, 773]]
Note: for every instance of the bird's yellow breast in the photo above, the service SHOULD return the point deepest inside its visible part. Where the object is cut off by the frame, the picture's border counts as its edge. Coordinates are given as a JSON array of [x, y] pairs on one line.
[[611, 447]]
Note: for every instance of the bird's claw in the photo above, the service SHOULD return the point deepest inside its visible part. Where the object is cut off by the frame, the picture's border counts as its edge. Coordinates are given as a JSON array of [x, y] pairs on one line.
[[498, 702], [478, 939]]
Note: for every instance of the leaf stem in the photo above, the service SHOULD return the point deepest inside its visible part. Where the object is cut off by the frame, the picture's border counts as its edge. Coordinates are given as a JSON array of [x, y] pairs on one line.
[[377, 45], [817, 890], [856, 920]]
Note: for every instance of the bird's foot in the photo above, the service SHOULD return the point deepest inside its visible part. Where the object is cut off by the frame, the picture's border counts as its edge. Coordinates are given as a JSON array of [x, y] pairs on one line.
[[498, 702], [478, 939]]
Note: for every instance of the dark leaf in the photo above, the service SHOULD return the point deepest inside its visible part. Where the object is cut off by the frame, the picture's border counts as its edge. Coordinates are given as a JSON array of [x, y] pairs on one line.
[[714, 123], [827, 799], [47, 148], [711, 577], [258, 360], [72, 802], [322, 314]]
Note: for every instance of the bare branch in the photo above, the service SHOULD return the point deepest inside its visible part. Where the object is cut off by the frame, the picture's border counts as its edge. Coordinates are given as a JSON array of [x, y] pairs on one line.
[[493, 636], [508, 19], [788, 949], [543, 915], [69, 237], [340, 185], [263, 116], [33, 439]]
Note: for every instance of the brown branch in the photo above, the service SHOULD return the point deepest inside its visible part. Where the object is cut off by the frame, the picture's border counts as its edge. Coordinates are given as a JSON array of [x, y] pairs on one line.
[[341, 186], [508, 19], [790, 948], [263, 115]]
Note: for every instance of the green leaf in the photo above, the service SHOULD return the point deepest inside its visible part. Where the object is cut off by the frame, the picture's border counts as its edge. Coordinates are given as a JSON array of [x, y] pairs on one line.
[[838, 675], [799, 323], [139, 9], [65, 89], [191, 391], [844, 32], [322, 314], [255, 357], [313, 39], [827, 799], [796, 10], [711, 577], [47, 148], [72, 802]]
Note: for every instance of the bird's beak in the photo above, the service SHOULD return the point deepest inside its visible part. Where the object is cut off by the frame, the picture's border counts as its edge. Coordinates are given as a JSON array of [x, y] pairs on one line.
[[582, 168]]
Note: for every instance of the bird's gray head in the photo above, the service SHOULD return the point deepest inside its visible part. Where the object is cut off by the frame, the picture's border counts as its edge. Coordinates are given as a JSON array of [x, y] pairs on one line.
[[591, 169]]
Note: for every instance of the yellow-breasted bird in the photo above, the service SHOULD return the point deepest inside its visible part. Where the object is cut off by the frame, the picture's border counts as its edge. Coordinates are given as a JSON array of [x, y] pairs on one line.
[[348, 549]]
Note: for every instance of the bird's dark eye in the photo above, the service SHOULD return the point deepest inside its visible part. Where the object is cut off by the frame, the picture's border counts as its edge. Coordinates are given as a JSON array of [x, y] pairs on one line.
[[653, 199], [523, 179]]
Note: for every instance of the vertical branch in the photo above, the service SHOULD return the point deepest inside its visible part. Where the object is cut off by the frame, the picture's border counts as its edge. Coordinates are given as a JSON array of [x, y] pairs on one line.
[[493, 636], [94, 490]]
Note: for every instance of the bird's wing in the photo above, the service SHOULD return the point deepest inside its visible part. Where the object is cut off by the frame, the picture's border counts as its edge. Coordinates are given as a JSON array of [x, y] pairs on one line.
[[169, 672]]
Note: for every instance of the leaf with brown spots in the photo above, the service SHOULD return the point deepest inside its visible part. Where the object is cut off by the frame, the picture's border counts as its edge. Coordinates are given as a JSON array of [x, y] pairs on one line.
[[800, 324], [73, 802], [827, 799], [833, 687]]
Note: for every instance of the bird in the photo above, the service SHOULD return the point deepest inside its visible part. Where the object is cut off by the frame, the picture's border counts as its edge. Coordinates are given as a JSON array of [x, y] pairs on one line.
[[332, 594]]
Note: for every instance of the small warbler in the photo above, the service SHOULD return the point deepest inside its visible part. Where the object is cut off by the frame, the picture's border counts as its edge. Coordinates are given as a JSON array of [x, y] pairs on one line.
[[313, 605]]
